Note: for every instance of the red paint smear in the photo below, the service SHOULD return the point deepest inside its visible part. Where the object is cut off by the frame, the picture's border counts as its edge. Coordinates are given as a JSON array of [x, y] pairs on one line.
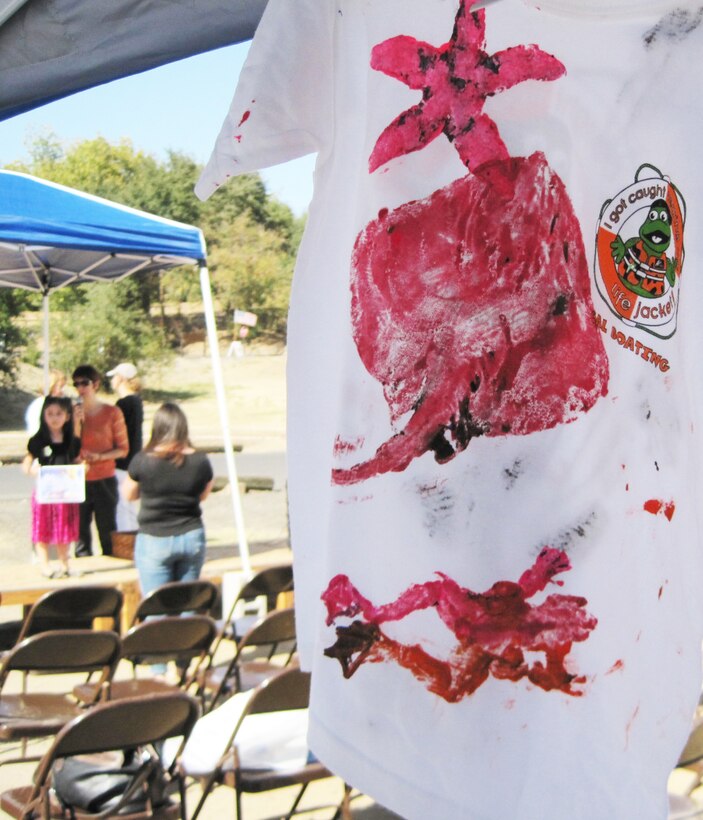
[[473, 312], [493, 630], [472, 307], [618, 666], [655, 506], [630, 722], [245, 117], [341, 446]]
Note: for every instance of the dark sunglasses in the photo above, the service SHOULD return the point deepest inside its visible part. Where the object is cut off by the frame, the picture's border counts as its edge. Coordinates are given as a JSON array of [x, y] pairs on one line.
[[81, 382]]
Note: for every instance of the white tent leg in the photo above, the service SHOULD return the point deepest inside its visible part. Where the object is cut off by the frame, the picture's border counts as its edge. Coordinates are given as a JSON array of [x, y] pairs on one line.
[[224, 421], [45, 355]]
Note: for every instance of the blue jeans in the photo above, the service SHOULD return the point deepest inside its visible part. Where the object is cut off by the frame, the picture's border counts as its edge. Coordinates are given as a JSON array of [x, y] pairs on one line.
[[161, 559]]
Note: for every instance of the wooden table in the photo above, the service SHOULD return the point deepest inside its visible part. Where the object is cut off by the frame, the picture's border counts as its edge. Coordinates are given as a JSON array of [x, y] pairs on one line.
[[24, 584]]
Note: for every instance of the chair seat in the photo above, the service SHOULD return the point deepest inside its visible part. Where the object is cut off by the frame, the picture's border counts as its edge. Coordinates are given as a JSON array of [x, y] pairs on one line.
[[682, 807], [128, 688], [251, 674], [273, 743], [14, 801], [256, 780], [35, 715]]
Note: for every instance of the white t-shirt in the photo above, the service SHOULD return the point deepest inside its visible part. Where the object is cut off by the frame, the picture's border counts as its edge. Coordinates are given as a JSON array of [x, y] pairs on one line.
[[494, 392]]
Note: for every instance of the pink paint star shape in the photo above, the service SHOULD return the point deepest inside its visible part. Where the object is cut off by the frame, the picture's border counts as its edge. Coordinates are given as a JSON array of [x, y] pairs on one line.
[[455, 80]]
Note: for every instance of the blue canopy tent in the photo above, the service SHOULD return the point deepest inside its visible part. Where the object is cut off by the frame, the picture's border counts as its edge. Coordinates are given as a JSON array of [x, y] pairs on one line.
[[52, 236]]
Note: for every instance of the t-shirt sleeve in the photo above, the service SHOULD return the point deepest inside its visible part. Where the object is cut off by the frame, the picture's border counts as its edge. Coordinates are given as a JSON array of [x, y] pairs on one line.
[[134, 468], [282, 106], [35, 446], [206, 472]]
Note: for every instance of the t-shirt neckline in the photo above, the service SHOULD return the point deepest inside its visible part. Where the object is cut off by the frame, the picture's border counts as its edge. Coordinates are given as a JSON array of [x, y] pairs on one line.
[[599, 9]]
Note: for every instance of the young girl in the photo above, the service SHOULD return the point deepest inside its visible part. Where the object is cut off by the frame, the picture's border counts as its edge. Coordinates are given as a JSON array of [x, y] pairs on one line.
[[57, 442]]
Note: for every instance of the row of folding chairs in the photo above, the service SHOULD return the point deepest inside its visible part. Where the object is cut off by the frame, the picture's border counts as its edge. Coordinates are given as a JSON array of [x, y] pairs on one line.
[[170, 726], [77, 606], [185, 641]]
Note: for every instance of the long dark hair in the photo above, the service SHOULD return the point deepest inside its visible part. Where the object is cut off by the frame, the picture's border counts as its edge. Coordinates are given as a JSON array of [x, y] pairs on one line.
[[67, 407], [169, 433]]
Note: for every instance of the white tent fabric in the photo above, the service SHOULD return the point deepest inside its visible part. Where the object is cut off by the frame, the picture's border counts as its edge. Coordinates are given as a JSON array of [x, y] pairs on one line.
[[52, 236], [50, 49]]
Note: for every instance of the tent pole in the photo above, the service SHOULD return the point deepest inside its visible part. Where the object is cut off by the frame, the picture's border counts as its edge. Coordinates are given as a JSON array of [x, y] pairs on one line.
[[45, 357], [222, 406]]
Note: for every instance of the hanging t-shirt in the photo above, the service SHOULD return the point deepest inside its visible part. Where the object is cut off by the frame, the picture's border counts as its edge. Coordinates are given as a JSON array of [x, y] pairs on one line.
[[494, 392]]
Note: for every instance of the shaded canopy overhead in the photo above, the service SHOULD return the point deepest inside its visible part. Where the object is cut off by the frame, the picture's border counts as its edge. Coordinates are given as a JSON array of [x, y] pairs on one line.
[[52, 236], [50, 49]]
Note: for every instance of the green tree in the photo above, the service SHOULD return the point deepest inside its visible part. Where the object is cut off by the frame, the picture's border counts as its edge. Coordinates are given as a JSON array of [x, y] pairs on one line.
[[251, 238], [110, 327], [250, 271], [11, 336]]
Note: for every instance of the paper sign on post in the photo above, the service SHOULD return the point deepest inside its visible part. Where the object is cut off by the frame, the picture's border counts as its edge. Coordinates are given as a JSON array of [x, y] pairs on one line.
[[61, 484], [244, 317]]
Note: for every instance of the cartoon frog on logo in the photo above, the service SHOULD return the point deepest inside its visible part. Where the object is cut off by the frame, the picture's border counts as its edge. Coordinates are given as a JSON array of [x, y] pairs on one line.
[[641, 261], [640, 252]]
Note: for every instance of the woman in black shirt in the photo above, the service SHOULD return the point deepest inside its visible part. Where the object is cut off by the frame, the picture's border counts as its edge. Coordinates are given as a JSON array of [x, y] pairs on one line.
[[171, 479]]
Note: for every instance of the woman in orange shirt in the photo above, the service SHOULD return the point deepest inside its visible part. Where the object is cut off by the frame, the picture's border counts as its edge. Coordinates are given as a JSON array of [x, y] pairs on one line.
[[104, 438]]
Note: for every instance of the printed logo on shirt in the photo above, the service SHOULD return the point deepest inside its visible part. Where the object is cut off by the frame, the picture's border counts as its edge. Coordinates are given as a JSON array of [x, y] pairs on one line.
[[640, 253]]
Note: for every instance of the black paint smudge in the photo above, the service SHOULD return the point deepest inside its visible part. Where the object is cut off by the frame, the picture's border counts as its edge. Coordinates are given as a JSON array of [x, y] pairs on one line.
[[675, 26], [512, 473]]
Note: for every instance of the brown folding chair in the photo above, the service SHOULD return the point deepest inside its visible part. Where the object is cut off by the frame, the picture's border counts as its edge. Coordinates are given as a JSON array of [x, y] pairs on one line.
[[266, 585], [70, 607], [176, 598], [115, 726], [264, 650], [283, 699], [42, 714], [182, 639]]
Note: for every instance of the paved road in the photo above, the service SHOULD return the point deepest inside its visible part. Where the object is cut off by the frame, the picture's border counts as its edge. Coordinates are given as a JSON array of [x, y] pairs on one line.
[[15, 485]]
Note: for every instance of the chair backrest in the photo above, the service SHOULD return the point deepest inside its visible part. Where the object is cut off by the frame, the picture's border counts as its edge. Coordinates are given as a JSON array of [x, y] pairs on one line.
[[176, 598], [64, 651], [289, 689], [270, 582], [274, 632], [120, 725], [276, 628], [73, 607], [178, 637]]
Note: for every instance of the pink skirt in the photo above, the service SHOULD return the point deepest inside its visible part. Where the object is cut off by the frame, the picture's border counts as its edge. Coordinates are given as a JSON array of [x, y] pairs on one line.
[[54, 523]]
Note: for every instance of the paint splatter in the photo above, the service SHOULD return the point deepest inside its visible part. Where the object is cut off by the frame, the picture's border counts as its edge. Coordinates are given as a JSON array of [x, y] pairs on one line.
[[674, 27], [493, 629], [656, 506], [511, 474], [471, 307], [342, 446], [618, 666]]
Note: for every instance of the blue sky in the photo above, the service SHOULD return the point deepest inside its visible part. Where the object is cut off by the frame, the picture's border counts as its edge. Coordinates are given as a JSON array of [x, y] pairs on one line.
[[179, 106]]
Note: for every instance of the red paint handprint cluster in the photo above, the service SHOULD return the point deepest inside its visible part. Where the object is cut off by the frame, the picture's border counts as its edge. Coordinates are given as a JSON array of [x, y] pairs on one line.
[[471, 307]]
